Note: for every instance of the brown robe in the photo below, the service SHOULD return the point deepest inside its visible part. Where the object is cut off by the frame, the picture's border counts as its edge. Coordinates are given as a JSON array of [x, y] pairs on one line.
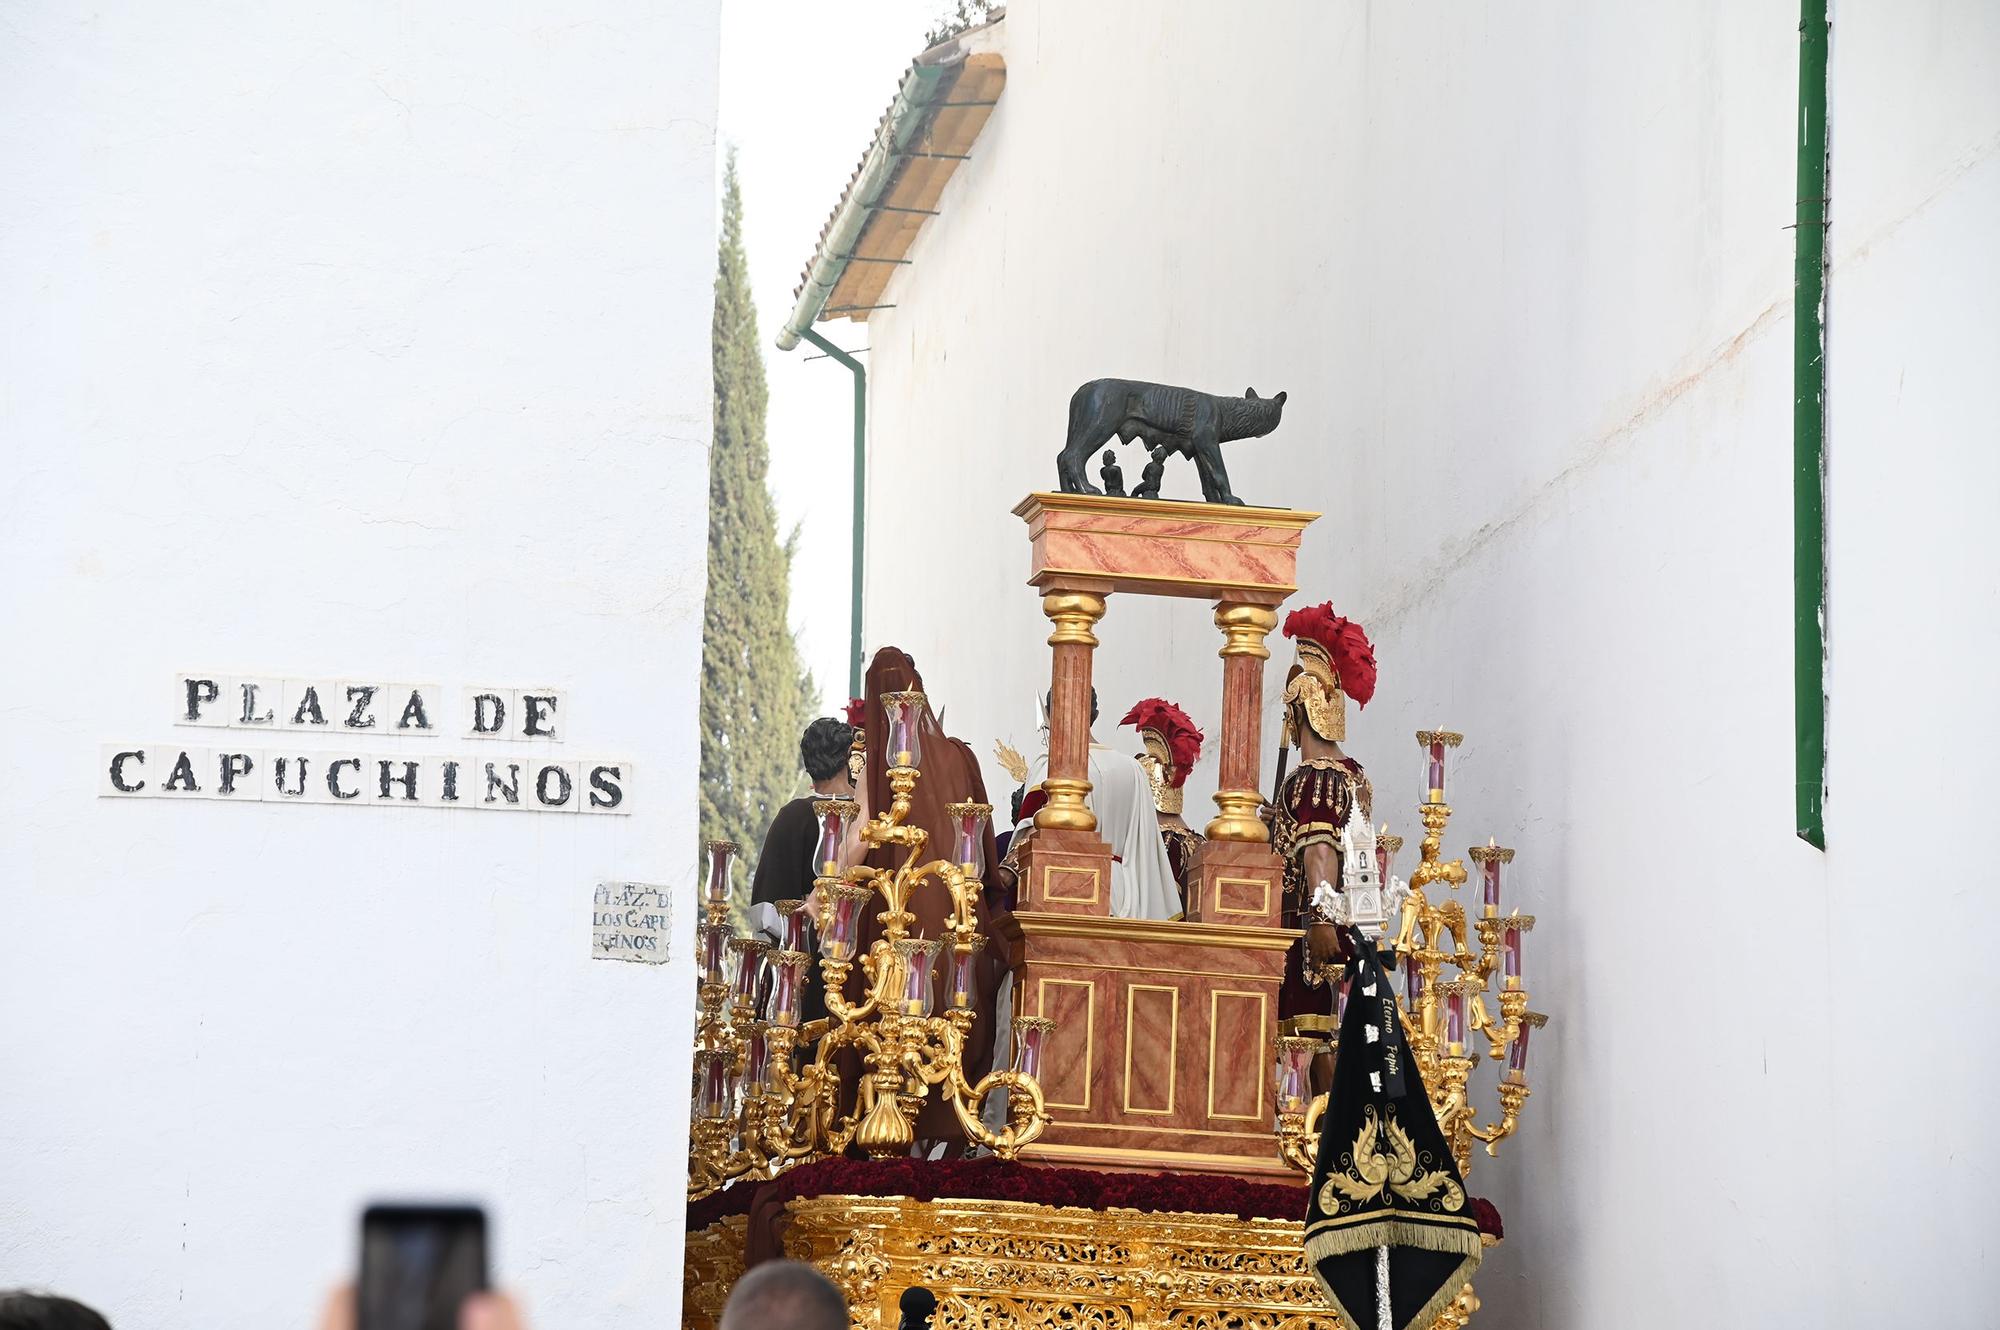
[[949, 774]]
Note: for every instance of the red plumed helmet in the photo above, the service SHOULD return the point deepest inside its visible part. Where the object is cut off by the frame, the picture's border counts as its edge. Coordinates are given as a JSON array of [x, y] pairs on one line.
[[856, 709], [1346, 645], [1173, 725]]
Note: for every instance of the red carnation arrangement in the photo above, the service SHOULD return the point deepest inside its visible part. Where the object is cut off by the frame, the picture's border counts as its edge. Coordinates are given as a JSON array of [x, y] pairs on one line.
[[1347, 646], [856, 709], [1183, 739]]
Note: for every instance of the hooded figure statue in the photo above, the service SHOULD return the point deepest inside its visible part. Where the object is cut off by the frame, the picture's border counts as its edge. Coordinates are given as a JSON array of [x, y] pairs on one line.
[[1390, 1235]]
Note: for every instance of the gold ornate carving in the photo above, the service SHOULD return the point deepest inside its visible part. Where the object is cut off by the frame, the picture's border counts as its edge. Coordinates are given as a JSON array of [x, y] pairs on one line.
[[1012, 1263]]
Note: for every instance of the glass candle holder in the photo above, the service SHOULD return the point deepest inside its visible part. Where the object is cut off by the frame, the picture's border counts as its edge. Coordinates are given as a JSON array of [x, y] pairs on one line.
[[836, 820], [1517, 1052], [962, 977], [1031, 1035], [747, 968], [721, 856], [1454, 1015], [711, 1079], [840, 920], [968, 830], [1340, 1002], [1490, 857], [1413, 985], [1440, 753], [903, 713], [794, 925], [913, 963], [1515, 926], [756, 1057], [1292, 1074], [712, 952], [788, 977]]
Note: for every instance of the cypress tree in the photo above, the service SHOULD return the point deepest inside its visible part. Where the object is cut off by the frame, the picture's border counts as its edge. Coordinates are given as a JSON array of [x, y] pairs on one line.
[[755, 693]]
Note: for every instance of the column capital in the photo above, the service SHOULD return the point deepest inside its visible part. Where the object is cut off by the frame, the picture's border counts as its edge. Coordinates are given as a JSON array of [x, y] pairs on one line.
[[1073, 613], [1244, 628]]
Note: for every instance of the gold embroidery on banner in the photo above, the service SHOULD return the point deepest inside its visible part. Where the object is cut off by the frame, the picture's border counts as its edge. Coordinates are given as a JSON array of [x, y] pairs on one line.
[[1365, 1173]]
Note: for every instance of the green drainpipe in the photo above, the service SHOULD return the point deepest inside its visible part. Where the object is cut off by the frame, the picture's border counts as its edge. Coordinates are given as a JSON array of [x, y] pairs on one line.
[[1809, 432], [860, 501]]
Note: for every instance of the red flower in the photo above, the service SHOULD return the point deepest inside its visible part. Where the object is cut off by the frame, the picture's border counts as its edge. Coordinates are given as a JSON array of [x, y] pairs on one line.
[[1487, 1216], [856, 709]]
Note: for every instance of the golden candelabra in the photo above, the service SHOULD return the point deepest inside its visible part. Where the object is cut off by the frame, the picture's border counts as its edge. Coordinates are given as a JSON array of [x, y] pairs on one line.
[[768, 1092], [1441, 1014]]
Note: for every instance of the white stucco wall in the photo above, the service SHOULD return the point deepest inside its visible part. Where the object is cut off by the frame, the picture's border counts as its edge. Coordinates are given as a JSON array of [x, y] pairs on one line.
[[370, 342], [1526, 275]]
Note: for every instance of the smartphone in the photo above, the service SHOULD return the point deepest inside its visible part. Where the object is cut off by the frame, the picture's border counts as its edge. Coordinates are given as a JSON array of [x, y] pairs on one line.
[[418, 1264]]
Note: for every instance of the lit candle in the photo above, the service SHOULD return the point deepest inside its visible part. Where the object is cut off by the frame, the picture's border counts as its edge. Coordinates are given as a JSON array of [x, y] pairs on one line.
[[1511, 953], [968, 824], [1340, 1003], [1413, 984], [964, 970], [904, 710], [1454, 1017], [916, 955], [1434, 770], [1384, 852]]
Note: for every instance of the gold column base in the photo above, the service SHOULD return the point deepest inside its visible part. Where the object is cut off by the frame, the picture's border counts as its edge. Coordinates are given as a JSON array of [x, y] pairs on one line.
[[1068, 808], [1238, 820]]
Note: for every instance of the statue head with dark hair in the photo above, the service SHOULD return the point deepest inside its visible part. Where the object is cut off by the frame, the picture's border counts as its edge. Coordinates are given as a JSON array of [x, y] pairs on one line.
[[22, 1310], [784, 1295], [823, 751]]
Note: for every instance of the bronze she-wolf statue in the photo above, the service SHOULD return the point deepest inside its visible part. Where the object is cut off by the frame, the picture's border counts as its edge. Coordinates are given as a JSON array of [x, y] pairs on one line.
[[1166, 420]]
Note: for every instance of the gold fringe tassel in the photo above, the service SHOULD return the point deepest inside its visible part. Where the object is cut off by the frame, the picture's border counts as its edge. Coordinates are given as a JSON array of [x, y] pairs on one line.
[[1397, 1233]]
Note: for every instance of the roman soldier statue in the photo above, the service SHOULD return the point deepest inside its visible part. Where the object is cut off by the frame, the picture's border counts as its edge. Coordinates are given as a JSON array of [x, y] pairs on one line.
[[1317, 806], [1173, 746]]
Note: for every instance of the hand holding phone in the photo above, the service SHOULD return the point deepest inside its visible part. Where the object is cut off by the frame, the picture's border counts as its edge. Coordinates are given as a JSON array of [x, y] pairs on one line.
[[419, 1266]]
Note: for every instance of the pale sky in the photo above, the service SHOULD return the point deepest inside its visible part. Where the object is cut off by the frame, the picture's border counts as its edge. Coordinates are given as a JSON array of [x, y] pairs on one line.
[[803, 85]]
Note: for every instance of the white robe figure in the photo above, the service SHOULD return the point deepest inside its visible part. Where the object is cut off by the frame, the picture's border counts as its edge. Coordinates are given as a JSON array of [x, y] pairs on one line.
[[1142, 877]]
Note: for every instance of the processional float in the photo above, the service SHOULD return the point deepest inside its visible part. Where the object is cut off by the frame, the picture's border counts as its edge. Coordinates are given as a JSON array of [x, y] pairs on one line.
[[1147, 1069]]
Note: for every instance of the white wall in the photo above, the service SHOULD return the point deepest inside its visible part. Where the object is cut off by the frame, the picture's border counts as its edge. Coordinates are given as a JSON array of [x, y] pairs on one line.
[[1526, 274], [366, 342]]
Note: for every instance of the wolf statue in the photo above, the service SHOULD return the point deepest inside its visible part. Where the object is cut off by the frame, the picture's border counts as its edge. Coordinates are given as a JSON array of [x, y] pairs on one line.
[[1166, 420]]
